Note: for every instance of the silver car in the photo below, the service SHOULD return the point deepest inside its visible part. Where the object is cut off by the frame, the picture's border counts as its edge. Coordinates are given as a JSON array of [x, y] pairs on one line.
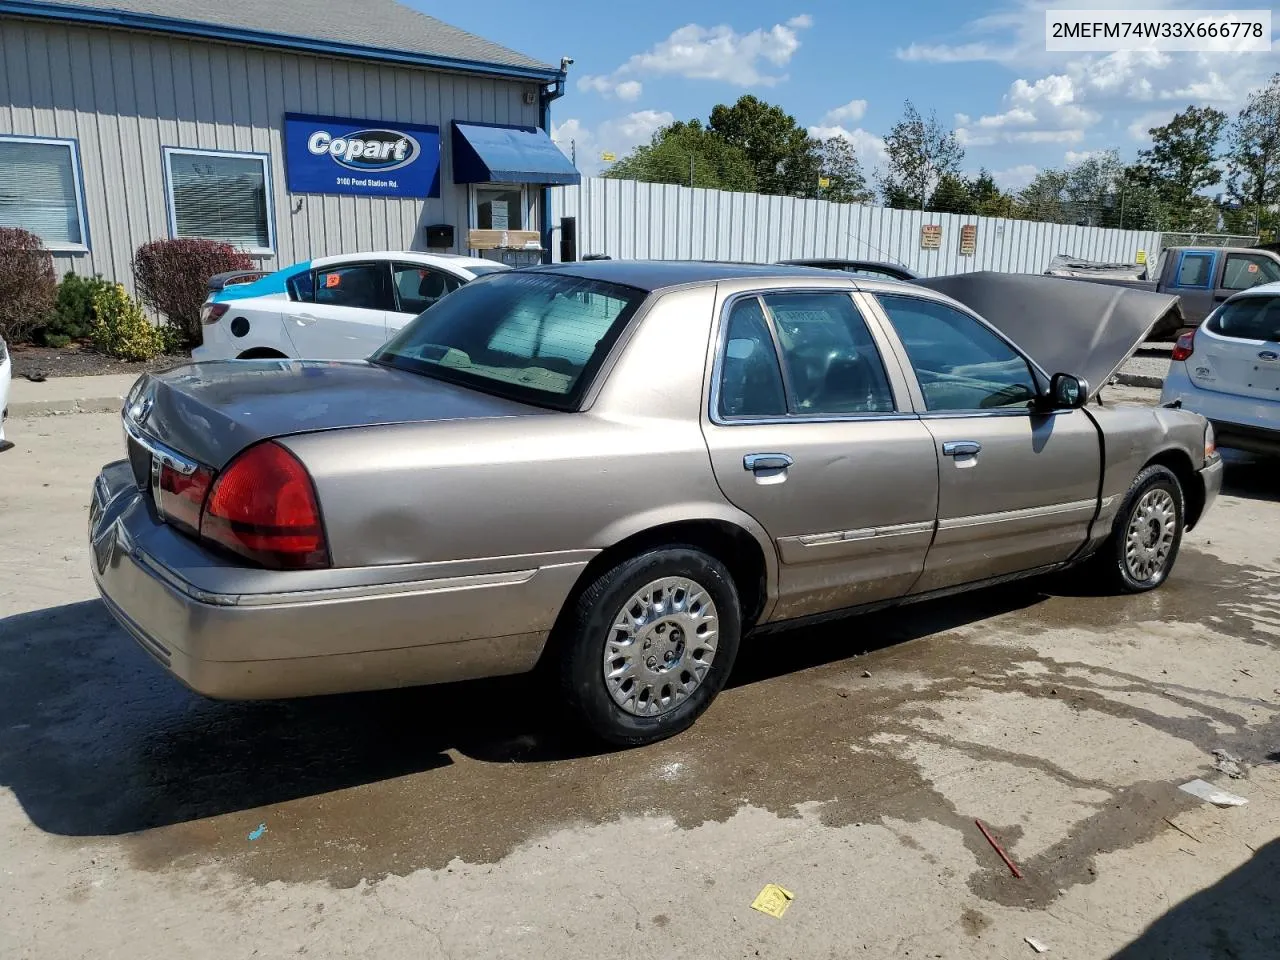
[[617, 471]]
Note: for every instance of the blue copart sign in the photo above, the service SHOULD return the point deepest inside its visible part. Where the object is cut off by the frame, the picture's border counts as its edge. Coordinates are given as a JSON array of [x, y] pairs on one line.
[[368, 158]]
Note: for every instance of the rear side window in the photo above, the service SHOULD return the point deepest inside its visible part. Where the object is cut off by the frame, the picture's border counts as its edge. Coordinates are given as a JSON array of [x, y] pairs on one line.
[[959, 363], [750, 377], [1195, 270], [359, 285], [831, 363], [301, 288], [1245, 270], [1249, 318]]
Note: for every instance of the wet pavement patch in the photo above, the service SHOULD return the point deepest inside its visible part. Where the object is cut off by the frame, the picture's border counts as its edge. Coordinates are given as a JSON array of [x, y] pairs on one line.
[[95, 740]]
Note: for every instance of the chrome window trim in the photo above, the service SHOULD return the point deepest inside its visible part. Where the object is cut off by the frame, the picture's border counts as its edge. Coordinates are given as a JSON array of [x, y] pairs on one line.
[[721, 340]]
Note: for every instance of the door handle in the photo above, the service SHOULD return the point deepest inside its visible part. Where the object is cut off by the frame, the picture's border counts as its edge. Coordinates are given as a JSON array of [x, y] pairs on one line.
[[305, 318], [961, 448], [755, 462]]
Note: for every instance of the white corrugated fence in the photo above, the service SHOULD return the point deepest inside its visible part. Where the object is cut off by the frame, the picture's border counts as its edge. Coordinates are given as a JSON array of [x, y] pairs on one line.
[[657, 221]]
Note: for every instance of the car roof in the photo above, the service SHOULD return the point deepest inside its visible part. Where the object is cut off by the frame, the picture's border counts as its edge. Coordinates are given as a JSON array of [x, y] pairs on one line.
[[445, 260], [1262, 289], [650, 275], [841, 262]]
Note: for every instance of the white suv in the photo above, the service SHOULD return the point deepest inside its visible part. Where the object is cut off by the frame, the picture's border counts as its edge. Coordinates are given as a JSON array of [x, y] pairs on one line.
[[1228, 371], [332, 308]]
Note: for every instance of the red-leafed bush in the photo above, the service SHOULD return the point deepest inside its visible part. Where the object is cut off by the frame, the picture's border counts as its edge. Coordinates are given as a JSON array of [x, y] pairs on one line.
[[28, 285], [172, 278]]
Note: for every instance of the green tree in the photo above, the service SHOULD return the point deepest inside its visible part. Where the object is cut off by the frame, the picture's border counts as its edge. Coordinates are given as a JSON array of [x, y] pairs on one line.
[[920, 152], [839, 164], [1044, 198], [782, 154], [1253, 152], [988, 199], [1181, 162], [682, 148], [954, 194]]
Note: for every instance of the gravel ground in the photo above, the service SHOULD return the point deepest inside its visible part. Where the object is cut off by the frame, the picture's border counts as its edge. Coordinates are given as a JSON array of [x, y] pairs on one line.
[[36, 363], [1150, 361]]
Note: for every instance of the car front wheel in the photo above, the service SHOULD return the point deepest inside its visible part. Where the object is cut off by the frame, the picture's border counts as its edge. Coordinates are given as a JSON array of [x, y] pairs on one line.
[[1146, 534], [650, 644]]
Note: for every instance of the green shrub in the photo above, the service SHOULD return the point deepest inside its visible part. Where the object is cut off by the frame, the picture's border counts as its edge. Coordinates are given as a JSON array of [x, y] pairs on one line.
[[121, 328], [27, 284], [72, 317]]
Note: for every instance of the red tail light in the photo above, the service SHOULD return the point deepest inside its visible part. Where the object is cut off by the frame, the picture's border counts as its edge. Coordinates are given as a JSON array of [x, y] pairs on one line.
[[264, 507], [213, 312], [1185, 346], [180, 496]]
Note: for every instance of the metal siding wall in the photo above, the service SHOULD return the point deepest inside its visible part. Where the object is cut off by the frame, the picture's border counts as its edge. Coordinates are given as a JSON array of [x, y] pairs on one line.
[[653, 221], [124, 95]]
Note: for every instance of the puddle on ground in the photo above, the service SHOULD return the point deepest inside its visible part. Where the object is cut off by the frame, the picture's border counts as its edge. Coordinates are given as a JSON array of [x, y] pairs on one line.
[[95, 740]]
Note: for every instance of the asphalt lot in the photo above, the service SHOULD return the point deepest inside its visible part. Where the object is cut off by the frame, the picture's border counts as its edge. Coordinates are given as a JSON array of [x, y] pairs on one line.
[[846, 763]]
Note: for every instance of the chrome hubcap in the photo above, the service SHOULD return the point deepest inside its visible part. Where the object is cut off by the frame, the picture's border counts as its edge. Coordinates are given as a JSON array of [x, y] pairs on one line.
[[1149, 538], [660, 646]]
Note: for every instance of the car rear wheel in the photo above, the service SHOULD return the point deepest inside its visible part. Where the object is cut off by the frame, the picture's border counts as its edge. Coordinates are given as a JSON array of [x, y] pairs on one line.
[[650, 644], [1146, 533]]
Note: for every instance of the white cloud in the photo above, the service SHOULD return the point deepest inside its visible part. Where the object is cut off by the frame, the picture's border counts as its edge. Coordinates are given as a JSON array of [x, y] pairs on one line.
[[708, 53], [854, 110], [1072, 157], [868, 147], [629, 90], [610, 87], [1015, 178], [1067, 94], [1144, 122]]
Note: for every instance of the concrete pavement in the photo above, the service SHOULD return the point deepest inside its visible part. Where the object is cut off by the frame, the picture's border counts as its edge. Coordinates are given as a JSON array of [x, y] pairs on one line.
[[68, 395], [460, 822]]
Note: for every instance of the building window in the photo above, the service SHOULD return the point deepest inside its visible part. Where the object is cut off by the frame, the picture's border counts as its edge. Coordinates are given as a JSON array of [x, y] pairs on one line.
[[40, 191], [215, 195]]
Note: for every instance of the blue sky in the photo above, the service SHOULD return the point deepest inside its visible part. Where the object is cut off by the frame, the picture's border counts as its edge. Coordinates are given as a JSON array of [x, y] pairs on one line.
[[845, 69]]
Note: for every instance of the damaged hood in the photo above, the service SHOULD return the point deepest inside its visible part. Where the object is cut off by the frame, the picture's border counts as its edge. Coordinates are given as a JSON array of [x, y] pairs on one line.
[[1066, 326]]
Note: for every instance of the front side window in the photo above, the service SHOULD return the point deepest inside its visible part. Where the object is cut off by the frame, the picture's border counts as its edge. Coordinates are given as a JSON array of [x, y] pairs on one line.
[[832, 364], [1249, 318], [534, 337], [1195, 270], [959, 363], [357, 285], [419, 287], [220, 196], [1245, 270], [40, 191]]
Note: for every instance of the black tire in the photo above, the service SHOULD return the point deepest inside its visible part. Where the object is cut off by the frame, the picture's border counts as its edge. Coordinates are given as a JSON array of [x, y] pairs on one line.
[[1111, 563], [587, 629], [262, 353]]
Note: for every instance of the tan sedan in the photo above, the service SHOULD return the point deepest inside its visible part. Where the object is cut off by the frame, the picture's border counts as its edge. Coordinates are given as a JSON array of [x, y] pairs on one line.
[[617, 471]]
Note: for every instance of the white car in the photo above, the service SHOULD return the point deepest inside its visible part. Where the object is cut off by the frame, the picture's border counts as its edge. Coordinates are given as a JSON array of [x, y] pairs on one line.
[[332, 308], [6, 374], [1228, 371]]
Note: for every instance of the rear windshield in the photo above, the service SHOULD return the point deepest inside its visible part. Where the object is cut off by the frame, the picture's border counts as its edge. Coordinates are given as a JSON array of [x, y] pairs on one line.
[[530, 336], [1249, 318]]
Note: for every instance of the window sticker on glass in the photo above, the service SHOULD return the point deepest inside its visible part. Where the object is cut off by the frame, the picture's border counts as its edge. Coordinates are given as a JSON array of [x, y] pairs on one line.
[[332, 279]]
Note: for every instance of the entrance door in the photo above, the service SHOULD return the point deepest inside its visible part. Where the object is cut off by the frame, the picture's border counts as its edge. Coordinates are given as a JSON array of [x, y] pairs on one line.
[[1017, 489], [817, 450], [348, 318]]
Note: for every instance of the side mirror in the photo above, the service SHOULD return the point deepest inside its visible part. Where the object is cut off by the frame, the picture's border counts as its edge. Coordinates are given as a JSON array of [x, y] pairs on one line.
[[1068, 392]]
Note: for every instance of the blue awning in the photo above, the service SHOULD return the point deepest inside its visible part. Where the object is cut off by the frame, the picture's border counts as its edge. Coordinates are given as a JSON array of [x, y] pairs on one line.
[[490, 153]]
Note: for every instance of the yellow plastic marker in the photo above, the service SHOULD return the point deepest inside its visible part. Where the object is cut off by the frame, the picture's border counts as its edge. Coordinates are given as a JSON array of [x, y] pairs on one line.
[[773, 900]]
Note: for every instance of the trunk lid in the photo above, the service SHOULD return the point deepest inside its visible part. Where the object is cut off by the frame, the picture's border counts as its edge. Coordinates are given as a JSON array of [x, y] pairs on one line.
[[211, 411], [1237, 350]]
